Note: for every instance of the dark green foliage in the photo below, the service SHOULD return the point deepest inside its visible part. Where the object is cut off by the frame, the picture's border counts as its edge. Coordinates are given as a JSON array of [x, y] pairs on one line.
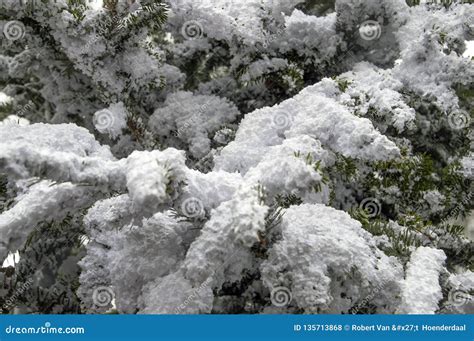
[[345, 166], [281, 83]]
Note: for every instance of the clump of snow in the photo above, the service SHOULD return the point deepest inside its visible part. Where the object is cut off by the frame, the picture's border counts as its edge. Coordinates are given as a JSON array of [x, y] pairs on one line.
[[192, 118], [285, 169], [212, 188], [103, 222], [131, 268], [429, 66], [63, 152], [153, 178], [220, 253], [309, 113], [374, 88], [312, 37], [43, 201], [174, 294], [224, 19], [468, 166], [233, 227]]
